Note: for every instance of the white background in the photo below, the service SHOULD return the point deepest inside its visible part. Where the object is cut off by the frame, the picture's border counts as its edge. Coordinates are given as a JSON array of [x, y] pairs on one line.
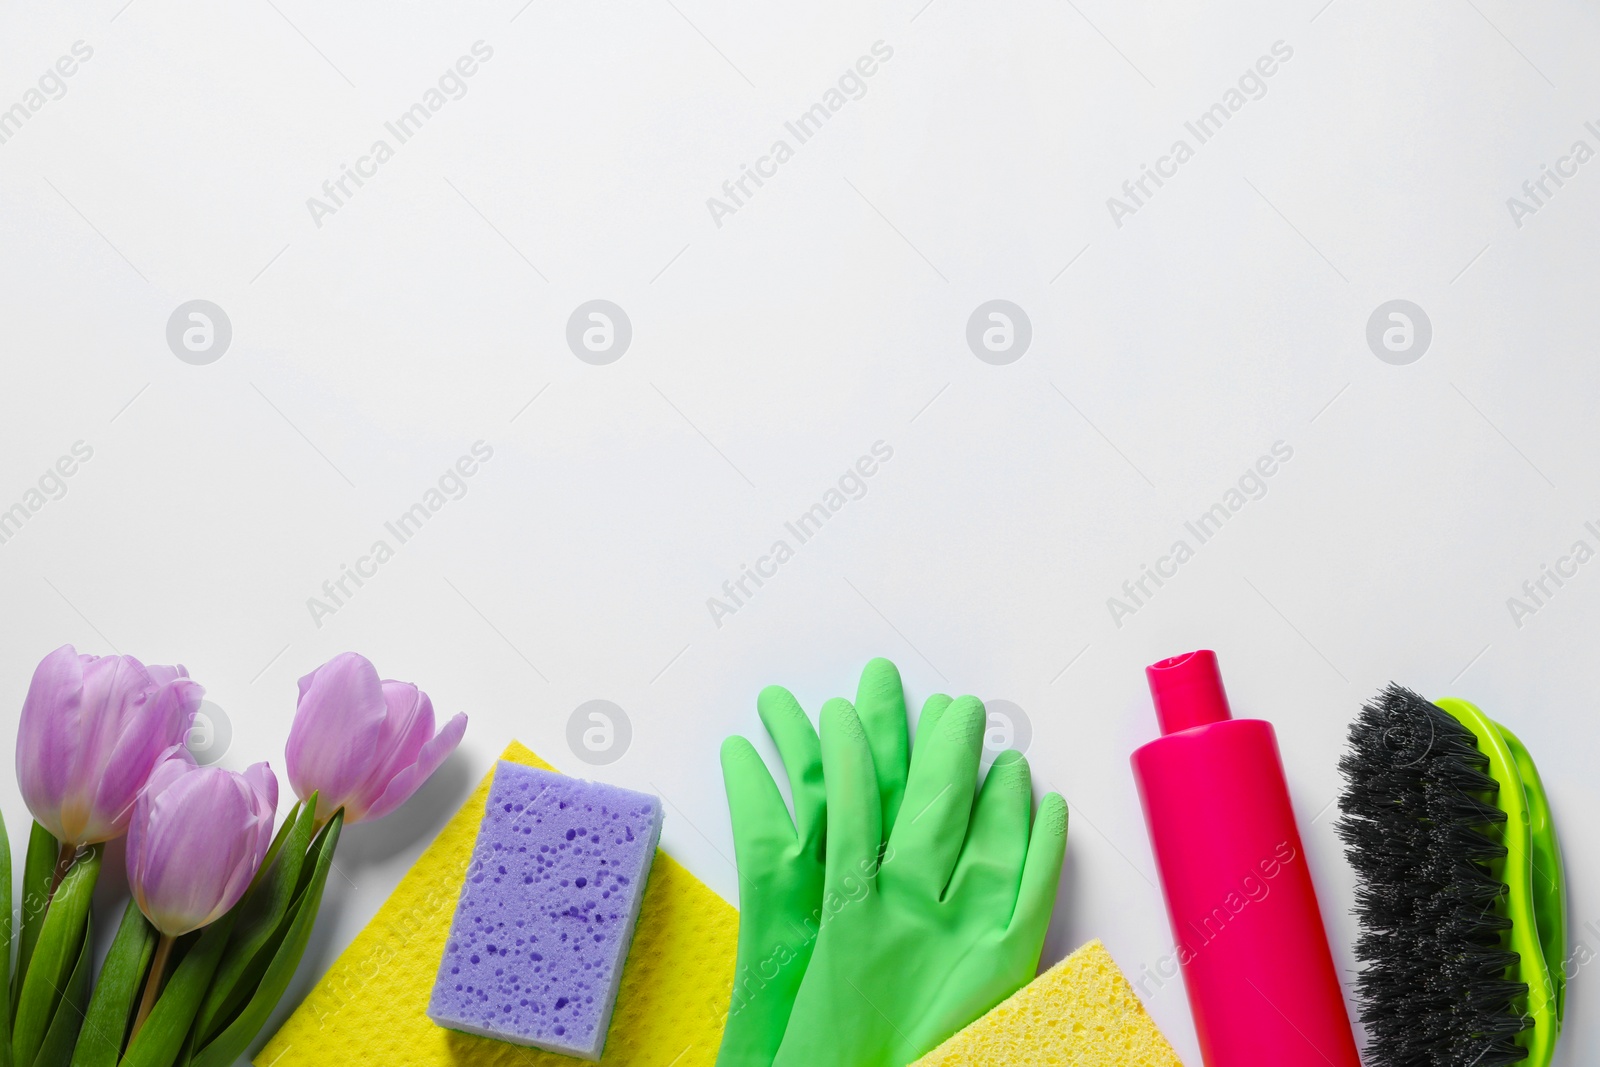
[[768, 353]]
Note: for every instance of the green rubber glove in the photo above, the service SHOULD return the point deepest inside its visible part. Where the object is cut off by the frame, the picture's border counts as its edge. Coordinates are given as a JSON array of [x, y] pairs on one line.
[[781, 859], [951, 921]]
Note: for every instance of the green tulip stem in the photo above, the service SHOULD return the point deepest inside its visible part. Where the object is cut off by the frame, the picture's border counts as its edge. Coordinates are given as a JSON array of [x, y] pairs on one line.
[[317, 822], [69, 852], [152, 983]]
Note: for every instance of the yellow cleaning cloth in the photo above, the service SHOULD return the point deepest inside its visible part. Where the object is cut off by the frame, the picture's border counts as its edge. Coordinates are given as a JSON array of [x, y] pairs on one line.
[[369, 1010], [1080, 1013]]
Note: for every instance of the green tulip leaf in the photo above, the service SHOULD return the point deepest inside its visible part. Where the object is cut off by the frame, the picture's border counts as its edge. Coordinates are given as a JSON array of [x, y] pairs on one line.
[[5, 945], [60, 942], [63, 1033], [105, 1026], [38, 871], [186, 1054], [229, 1045], [159, 1039], [282, 835], [261, 915]]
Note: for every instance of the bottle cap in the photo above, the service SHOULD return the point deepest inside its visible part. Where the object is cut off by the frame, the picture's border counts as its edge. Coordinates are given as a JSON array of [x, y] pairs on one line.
[[1188, 691]]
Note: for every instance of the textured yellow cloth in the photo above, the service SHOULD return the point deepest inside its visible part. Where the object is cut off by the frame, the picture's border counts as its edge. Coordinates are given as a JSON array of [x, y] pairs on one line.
[[1080, 1013], [370, 1009]]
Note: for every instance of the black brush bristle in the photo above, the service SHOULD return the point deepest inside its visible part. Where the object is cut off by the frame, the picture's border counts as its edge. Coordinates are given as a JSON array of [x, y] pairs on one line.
[[1422, 830]]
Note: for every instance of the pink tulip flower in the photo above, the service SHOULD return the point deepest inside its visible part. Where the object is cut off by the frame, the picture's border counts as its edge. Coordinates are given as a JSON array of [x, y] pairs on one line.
[[92, 730], [362, 744], [197, 838]]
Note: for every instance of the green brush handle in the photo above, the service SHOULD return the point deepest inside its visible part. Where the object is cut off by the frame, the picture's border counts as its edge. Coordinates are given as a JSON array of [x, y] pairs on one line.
[[1549, 882], [1535, 886]]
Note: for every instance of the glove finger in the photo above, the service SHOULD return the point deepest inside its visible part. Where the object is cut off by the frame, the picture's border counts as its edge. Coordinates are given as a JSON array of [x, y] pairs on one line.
[[763, 839], [755, 806], [1041, 874], [933, 819], [989, 871], [791, 730], [855, 818], [932, 710], [881, 703]]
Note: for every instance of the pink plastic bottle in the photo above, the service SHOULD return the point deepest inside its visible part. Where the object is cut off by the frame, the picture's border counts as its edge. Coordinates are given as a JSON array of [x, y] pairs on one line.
[[1249, 936]]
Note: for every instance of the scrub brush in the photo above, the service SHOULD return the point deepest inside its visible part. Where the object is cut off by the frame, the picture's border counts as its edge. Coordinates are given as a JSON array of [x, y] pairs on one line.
[[1461, 897]]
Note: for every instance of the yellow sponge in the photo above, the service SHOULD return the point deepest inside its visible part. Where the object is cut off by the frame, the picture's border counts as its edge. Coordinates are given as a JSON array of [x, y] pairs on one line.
[[371, 1007], [1080, 1013]]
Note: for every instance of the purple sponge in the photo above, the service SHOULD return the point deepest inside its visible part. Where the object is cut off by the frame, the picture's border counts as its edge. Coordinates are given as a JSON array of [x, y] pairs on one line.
[[547, 912]]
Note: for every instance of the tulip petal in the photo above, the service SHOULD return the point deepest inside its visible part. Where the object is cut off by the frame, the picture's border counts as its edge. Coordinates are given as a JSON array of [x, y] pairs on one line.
[[195, 847], [265, 785], [91, 730], [47, 736], [160, 675], [410, 779], [261, 786], [115, 692], [114, 688], [154, 726], [173, 763], [336, 728], [408, 726]]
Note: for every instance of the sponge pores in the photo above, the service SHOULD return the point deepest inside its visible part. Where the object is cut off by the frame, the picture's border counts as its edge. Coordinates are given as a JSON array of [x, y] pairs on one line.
[[547, 911], [1080, 1013]]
